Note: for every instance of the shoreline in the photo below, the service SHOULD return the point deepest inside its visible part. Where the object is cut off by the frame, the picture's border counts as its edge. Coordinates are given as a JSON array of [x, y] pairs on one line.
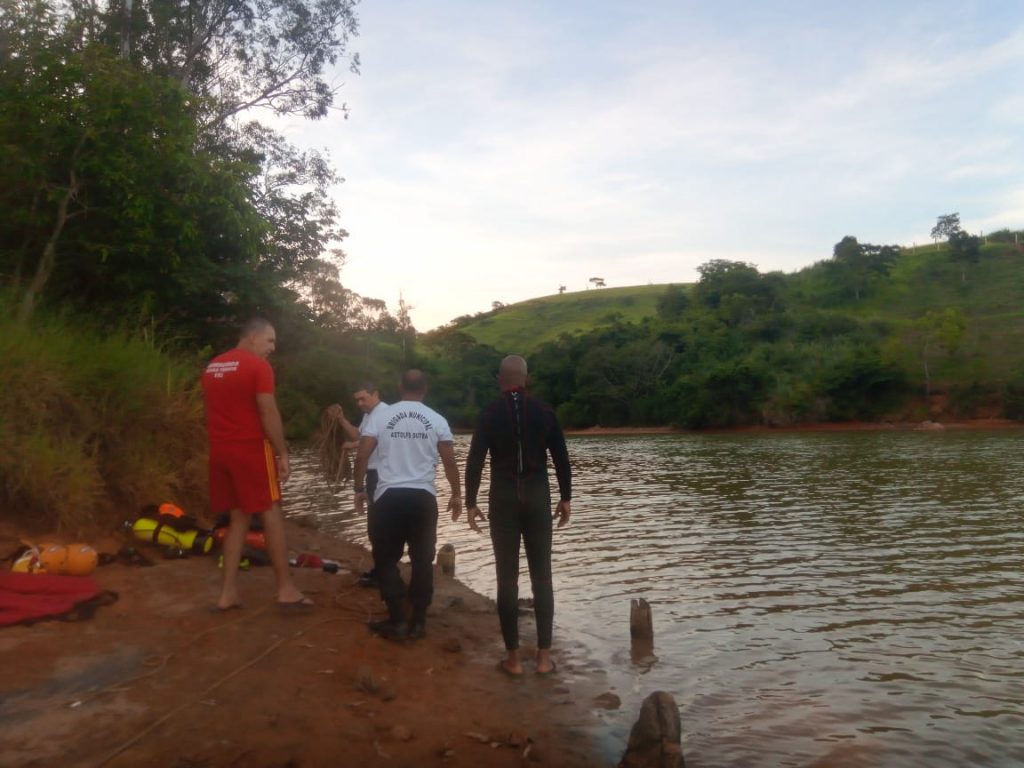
[[256, 687], [825, 426]]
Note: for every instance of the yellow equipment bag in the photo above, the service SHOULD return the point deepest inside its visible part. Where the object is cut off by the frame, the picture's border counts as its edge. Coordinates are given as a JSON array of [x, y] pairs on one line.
[[147, 529]]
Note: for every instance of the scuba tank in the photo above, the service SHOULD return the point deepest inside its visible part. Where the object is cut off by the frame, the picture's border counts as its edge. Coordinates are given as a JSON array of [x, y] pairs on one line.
[[158, 532]]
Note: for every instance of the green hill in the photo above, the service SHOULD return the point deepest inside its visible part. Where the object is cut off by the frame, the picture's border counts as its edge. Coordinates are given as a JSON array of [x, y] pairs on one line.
[[989, 293], [524, 326], [921, 280]]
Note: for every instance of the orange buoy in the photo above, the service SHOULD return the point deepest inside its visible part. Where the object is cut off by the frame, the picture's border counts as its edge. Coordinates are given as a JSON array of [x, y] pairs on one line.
[[59, 559]]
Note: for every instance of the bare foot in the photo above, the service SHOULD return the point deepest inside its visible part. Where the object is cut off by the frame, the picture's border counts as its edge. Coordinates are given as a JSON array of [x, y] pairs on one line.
[[289, 594], [515, 669], [228, 601], [511, 665], [545, 665]]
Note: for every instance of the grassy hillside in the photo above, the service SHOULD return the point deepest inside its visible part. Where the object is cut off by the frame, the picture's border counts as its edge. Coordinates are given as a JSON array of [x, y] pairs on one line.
[[923, 279], [926, 279], [520, 328]]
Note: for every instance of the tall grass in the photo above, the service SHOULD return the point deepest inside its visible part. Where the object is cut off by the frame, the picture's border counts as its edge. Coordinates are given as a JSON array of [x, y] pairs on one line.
[[92, 426]]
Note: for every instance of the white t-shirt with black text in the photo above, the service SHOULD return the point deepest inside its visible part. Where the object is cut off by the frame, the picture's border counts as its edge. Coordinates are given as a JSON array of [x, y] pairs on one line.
[[372, 462], [407, 435]]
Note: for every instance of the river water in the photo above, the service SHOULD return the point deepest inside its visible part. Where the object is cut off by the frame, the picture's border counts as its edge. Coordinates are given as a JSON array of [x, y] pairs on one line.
[[829, 599]]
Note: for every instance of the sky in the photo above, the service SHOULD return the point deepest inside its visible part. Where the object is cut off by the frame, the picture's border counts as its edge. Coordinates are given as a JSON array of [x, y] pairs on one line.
[[495, 151]]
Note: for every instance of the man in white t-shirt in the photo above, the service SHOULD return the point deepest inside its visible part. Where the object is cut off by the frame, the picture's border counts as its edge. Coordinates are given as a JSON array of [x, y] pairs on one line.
[[367, 398], [409, 439]]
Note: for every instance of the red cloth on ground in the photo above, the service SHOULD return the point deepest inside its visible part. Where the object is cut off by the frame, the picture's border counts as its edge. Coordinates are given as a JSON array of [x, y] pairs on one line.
[[25, 597]]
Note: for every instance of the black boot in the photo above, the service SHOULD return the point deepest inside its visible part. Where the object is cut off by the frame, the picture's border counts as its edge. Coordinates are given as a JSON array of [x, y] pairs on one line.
[[418, 630], [397, 631]]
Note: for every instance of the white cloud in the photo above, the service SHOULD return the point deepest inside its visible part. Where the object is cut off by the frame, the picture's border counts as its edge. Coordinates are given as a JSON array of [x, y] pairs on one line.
[[493, 155]]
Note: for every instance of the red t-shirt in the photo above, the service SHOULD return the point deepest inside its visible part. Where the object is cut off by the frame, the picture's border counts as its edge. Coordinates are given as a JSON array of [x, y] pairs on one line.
[[230, 385]]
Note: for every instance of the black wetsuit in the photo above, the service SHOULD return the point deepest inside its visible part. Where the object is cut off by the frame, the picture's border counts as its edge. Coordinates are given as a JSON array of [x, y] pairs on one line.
[[519, 432]]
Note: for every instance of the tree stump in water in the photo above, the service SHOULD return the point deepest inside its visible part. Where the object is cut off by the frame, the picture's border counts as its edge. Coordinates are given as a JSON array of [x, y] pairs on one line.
[[655, 741], [641, 629], [446, 559]]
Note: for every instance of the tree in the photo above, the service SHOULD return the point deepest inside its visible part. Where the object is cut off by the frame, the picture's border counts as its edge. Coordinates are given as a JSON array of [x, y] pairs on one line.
[[672, 303], [597, 282], [238, 55], [945, 226], [938, 331], [406, 329], [140, 168], [103, 164], [859, 265], [561, 290], [964, 249], [735, 291]]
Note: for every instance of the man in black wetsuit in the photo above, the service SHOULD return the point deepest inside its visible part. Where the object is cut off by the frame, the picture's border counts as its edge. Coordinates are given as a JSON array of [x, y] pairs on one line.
[[519, 431]]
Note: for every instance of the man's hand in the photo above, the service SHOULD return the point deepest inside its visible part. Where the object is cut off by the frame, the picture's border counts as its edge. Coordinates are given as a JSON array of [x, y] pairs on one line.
[[360, 499], [563, 512], [472, 515], [283, 468], [455, 507]]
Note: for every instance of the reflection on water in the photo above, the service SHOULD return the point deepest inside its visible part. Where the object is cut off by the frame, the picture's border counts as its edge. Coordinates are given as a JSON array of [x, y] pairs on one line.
[[819, 599]]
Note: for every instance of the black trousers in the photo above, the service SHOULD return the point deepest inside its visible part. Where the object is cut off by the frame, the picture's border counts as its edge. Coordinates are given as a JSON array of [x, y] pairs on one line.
[[522, 516], [405, 517]]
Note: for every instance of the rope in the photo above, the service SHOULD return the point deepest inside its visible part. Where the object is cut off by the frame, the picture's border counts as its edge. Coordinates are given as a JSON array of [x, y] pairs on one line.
[[138, 737], [335, 460], [159, 662]]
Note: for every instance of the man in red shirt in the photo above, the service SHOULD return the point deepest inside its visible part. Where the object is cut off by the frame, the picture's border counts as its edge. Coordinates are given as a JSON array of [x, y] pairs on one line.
[[248, 456]]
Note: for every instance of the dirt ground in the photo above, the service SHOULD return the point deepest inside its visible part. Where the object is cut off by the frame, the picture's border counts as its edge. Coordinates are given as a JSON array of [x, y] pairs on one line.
[[157, 680]]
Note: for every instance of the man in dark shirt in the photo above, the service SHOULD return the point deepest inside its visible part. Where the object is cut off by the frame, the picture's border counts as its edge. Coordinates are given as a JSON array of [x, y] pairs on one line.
[[519, 431]]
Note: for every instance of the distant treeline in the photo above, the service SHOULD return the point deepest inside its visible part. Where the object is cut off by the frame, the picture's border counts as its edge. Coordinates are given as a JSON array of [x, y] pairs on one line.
[[875, 332]]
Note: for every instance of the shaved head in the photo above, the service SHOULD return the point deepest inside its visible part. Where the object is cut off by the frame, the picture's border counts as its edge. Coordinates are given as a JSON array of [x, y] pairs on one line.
[[413, 385], [512, 372], [254, 326], [258, 337]]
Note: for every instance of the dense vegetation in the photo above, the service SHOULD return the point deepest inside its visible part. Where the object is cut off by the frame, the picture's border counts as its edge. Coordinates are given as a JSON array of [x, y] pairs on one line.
[[144, 212], [875, 332], [93, 424]]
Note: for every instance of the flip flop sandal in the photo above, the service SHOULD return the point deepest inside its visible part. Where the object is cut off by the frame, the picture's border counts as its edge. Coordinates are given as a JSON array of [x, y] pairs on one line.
[[505, 671], [215, 609], [548, 673], [301, 605]]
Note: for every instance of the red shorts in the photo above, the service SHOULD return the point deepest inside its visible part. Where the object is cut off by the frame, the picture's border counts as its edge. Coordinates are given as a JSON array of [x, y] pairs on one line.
[[243, 475]]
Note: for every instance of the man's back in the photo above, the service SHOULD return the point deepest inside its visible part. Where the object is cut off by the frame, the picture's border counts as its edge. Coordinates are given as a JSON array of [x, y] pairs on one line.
[[407, 434], [518, 431], [231, 382]]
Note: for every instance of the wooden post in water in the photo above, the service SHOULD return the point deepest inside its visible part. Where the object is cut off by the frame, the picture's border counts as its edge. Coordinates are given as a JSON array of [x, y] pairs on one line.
[[446, 559], [641, 629], [656, 738]]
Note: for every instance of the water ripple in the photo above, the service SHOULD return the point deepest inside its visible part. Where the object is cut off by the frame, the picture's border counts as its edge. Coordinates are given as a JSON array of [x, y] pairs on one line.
[[819, 600]]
